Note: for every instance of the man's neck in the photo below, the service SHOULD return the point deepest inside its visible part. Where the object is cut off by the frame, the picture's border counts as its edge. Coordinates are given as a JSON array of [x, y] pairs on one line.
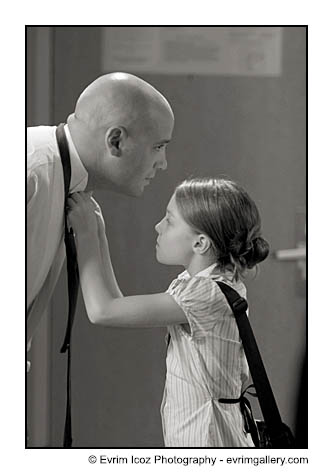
[[75, 136], [79, 171]]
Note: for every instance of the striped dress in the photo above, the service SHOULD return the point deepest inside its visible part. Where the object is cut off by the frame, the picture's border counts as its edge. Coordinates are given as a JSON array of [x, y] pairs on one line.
[[205, 362]]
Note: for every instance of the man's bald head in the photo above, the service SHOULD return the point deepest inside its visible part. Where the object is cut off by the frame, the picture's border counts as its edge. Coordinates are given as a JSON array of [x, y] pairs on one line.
[[118, 99], [120, 127]]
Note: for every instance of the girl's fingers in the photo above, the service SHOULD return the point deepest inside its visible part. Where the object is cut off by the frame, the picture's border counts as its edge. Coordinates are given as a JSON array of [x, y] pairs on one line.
[[95, 205], [73, 199], [80, 196], [79, 199], [85, 195]]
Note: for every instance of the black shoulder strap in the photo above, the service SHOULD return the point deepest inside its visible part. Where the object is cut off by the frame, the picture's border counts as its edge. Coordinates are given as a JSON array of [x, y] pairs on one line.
[[72, 276], [264, 391], [65, 159], [72, 268]]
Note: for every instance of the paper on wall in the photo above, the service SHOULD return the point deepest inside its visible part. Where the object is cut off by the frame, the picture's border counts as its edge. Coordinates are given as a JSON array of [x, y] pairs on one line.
[[227, 50]]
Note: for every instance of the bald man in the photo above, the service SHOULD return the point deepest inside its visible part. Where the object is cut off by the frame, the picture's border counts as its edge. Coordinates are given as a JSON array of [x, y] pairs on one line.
[[117, 138]]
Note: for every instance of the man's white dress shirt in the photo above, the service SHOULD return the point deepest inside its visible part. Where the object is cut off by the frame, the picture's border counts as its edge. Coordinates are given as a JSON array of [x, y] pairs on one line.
[[45, 216]]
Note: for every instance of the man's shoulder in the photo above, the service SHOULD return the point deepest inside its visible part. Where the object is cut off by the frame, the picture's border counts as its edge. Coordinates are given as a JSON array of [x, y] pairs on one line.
[[41, 132], [41, 146]]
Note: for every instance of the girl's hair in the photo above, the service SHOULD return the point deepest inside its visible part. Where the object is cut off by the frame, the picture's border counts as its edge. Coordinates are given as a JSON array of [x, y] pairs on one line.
[[224, 211]]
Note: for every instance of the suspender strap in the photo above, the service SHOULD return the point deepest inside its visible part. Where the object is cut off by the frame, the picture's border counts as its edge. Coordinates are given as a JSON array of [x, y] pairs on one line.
[[263, 388], [72, 277]]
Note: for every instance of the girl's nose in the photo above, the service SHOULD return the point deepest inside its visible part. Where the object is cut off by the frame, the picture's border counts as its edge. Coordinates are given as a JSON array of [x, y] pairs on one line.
[[157, 227]]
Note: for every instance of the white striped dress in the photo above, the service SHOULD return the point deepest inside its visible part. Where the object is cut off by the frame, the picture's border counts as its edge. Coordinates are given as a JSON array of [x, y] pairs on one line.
[[205, 362]]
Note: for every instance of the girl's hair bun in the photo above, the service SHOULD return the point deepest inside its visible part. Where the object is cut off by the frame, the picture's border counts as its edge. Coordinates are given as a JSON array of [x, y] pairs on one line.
[[257, 253]]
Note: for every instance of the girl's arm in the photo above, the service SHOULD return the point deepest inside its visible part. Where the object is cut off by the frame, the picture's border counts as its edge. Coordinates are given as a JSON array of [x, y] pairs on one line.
[[105, 253], [102, 296]]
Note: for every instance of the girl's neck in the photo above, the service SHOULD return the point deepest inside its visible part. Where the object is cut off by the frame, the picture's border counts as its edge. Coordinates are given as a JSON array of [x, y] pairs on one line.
[[197, 265]]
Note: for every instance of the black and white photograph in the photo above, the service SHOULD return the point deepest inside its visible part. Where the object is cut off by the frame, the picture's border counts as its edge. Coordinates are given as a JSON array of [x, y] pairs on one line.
[[166, 237]]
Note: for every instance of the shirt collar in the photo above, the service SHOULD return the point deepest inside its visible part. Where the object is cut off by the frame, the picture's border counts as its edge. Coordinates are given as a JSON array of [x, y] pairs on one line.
[[79, 177], [206, 272]]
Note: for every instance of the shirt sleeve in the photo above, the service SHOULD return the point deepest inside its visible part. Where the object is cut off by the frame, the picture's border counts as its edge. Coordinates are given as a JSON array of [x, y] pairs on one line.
[[202, 302], [32, 229], [37, 222]]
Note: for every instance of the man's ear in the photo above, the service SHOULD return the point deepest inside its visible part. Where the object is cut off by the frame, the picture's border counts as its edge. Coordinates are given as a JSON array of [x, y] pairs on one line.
[[201, 244], [114, 139]]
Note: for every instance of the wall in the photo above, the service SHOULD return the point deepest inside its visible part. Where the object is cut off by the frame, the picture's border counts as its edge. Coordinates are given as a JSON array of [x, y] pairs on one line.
[[39, 111]]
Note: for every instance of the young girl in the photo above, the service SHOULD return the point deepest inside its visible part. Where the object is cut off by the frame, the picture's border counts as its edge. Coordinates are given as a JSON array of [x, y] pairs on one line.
[[212, 229]]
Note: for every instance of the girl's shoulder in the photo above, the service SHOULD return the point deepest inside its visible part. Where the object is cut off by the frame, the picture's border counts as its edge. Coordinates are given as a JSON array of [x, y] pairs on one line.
[[202, 288], [237, 285], [202, 301]]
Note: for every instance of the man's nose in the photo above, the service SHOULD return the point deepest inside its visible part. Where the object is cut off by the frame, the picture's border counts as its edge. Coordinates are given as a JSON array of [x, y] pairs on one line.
[[157, 227], [162, 163]]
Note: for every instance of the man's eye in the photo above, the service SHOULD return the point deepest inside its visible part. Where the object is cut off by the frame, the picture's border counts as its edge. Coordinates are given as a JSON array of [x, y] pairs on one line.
[[159, 147]]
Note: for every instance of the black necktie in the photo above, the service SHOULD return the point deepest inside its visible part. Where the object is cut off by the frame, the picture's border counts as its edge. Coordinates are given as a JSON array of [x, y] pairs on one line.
[[72, 277]]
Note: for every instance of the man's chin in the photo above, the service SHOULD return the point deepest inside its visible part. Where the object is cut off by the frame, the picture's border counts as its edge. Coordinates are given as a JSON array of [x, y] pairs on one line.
[[137, 192], [132, 191]]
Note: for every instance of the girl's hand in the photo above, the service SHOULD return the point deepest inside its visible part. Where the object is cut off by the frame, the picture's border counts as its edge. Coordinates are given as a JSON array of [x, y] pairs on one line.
[[99, 216], [81, 215]]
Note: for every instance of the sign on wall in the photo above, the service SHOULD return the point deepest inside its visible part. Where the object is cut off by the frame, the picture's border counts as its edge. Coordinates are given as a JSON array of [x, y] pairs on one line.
[[227, 50]]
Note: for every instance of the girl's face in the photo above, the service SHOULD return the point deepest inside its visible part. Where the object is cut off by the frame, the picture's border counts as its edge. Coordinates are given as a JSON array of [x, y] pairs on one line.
[[175, 238]]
